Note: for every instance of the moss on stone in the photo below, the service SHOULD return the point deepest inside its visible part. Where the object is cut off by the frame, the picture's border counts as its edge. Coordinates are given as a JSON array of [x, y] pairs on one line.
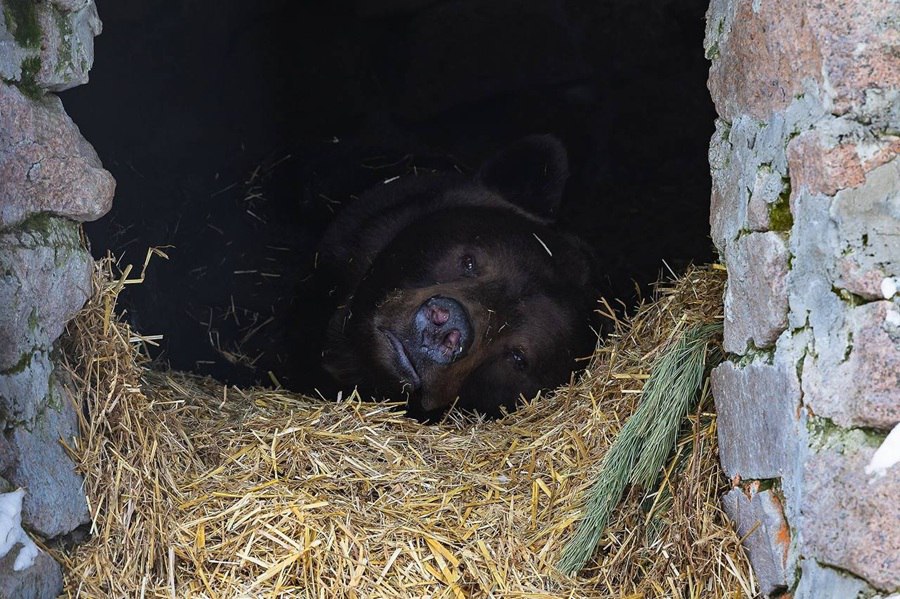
[[21, 20], [31, 66], [34, 320], [780, 217], [65, 56], [848, 297], [824, 433], [39, 222], [20, 366], [754, 354]]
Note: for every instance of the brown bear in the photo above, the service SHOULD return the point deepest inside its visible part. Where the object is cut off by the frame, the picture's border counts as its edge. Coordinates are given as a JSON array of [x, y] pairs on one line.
[[460, 290]]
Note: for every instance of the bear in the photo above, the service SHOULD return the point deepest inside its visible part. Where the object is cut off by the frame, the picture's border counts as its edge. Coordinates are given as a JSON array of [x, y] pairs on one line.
[[456, 290]]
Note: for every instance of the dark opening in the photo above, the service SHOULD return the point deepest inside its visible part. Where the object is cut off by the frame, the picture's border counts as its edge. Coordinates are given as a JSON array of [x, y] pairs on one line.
[[236, 129]]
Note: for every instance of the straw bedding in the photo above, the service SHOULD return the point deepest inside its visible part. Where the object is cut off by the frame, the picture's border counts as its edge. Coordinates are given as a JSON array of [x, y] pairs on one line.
[[202, 490]]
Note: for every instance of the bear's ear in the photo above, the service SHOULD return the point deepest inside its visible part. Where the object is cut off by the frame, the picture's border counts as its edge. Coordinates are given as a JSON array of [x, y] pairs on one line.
[[531, 173]]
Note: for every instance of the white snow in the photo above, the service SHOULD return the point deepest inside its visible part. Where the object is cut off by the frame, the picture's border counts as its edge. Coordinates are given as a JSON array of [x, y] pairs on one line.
[[887, 455], [892, 318], [11, 532], [888, 287]]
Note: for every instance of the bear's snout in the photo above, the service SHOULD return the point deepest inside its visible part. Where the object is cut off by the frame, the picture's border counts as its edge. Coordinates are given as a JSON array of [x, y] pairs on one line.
[[444, 330]]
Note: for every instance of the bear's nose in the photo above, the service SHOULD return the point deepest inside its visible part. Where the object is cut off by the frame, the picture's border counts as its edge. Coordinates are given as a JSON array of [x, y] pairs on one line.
[[445, 329]]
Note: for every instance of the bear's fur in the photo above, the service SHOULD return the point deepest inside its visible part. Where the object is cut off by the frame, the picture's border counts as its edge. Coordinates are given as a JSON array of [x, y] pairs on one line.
[[460, 290]]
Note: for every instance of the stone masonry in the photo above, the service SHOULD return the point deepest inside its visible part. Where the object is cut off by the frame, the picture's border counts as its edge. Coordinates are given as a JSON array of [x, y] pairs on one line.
[[51, 180], [806, 216]]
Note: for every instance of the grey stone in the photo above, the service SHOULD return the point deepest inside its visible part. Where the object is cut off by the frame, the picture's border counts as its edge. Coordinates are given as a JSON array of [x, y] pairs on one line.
[[728, 155], [11, 54], [868, 220], [71, 5], [67, 44], [813, 244], [64, 50], [818, 582], [22, 392], [45, 277], [855, 377], [55, 503], [849, 519], [739, 153], [45, 163], [757, 421], [7, 457], [43, 580], [759, 520], [756, 304], [766, 190]]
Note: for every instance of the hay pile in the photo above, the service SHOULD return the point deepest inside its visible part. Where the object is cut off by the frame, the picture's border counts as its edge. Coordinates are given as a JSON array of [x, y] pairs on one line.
[[202, 490]]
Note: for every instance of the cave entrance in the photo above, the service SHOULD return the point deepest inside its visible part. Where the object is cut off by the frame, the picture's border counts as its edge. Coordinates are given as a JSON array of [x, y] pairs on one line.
[[235, 133]]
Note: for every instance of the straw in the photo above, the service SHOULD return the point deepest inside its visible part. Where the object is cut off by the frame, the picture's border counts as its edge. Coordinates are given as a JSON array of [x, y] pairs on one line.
[[197, 489]]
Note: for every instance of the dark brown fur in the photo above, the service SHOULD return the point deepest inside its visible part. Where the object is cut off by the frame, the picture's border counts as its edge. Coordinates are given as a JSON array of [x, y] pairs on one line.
[[460, 290]]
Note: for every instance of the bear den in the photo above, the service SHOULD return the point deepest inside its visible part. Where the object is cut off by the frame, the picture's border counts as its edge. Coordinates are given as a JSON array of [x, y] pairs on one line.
[[458, 290]]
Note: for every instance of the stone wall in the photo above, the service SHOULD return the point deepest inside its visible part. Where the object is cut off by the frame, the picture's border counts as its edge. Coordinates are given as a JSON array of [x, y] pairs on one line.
[[806, 216], [50, 180]]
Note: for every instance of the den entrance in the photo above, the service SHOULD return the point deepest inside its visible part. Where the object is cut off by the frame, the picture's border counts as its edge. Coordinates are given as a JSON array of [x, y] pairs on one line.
[[236, 134]]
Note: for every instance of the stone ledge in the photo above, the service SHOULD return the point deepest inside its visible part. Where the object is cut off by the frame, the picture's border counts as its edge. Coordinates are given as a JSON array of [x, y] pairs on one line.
[[849, 519]]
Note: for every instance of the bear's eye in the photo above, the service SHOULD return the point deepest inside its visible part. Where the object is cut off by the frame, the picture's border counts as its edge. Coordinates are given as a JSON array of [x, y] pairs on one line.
[[467, 263], [518, 359]]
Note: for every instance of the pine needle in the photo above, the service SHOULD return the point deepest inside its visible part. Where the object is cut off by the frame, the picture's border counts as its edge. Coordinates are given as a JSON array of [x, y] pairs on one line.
[[639, 452]]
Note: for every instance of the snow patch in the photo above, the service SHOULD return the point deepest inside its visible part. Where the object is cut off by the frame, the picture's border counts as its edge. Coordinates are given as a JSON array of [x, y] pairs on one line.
[[11, 532], [887, 455], [888, 287]]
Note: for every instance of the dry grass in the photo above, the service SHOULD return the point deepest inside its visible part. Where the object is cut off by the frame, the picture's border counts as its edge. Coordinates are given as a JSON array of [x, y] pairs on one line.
[[202, 490]]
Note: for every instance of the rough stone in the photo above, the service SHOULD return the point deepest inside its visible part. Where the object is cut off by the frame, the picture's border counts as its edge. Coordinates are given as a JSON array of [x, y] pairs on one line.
[[749, 166], [837, 155], [759, 520], [63, 48], [867, 220], [7, 458], [813, 243], [45, 163], [43, 580], [858, 41], [67, 44], [22, 392], [850, 519], [11, 54], [855, 377], [71, 5], [45, 277], [817, 582], [765, 49], [757, 443], [55, 503], [756, 305], [767, 189]]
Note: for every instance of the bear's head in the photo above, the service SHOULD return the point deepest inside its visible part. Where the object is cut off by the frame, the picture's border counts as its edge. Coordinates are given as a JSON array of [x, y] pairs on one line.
[[472, 296]]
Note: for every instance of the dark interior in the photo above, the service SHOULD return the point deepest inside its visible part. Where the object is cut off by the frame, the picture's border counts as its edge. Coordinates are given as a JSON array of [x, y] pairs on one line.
[[236, 129]]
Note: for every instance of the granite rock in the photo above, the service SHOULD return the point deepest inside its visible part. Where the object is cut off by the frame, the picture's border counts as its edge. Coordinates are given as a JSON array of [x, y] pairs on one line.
[[850, 519], [45, 277], [757, 422], [43, 580], [55, 503], [756, 303], [758, 517], [45, 163]]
